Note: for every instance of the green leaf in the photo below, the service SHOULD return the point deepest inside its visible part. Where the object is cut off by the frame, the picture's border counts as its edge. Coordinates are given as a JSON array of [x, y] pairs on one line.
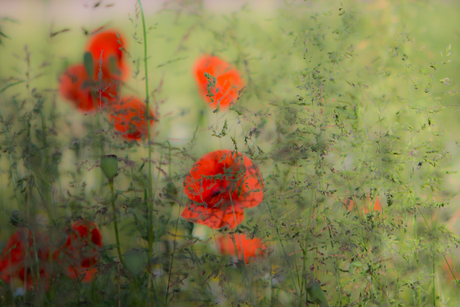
[[316, 294], [10, 85], [88, 62]]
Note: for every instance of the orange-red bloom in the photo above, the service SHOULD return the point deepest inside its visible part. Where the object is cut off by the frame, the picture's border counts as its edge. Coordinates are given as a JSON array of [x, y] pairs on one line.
[[377, 205], [128, 118], [221, 184], [111, 47], [250, 248], [84, 94], [81, 250], [228, 81], [18, 260]]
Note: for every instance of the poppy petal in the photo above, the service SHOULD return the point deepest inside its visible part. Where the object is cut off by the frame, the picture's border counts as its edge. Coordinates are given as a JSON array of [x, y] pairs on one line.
[[250, 248], [128, 118], [76, 87], [73, 88], [377, 206], [14, 263], [87, 274], [228, 81], [214, 218], [80, 250], [220, 176], [108, 45]]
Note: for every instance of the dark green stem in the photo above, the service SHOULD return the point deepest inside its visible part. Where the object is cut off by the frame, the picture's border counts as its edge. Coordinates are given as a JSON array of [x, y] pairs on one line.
[[115, 225], [147, 116]]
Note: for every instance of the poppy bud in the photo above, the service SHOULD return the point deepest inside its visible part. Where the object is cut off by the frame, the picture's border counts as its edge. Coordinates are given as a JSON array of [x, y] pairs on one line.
[[109, 166], [18, 219], [316, 294]]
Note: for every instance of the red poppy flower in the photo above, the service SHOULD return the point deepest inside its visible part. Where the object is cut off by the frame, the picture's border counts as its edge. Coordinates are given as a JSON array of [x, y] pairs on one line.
[[18, 260], [377, 205], [81, 250], [77, 87], [111, 47], [128, 118], [228, 81], [250, 248], [221, 184]]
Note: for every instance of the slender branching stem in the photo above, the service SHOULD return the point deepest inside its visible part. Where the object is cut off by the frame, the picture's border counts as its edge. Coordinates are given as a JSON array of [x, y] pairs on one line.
[[115, 226], [147, 116]]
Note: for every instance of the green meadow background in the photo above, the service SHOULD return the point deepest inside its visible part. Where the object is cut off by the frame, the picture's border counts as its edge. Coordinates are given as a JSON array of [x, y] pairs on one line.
[[344, 99]]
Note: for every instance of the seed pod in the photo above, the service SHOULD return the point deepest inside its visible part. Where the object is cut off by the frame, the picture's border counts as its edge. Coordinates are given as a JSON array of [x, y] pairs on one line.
[[109, 166], [316, 294], [18, 219]]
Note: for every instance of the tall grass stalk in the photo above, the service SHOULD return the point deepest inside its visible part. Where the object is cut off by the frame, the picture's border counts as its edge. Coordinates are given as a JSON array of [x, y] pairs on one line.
[[172, 258], [115, 226], [37, 261], [151, 224], [335, 261], [245, 272], [147, 116], [282, 247], [13, 166], [329, 110]]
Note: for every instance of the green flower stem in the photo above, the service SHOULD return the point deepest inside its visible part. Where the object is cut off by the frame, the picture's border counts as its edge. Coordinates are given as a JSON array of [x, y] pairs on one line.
[[147, 115], [279, 238], [13, 166], [117, 237], [457, 282], [36, 258], [115, 224], [172, 256], [32, 272], [336, 267], [434, 277], [245, 271]]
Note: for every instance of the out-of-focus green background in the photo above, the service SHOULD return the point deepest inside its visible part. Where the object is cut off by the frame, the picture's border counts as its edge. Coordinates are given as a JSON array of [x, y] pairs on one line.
[[391, 45]]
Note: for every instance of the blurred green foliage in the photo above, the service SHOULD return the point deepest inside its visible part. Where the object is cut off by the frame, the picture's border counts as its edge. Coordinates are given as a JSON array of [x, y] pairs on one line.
[[344, 100]]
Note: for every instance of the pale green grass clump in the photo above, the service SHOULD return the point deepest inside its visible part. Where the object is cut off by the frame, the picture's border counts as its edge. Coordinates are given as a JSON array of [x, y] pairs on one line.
[[343, 101]]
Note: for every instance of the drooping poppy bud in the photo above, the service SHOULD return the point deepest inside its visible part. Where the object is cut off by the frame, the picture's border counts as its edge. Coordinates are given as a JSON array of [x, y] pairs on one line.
[[18, 219], [316, 294]]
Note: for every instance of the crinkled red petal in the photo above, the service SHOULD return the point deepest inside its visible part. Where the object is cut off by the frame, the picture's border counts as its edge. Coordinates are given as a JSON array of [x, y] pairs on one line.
[[128, 118], [215, 218], [252, 248], [228, 81]]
